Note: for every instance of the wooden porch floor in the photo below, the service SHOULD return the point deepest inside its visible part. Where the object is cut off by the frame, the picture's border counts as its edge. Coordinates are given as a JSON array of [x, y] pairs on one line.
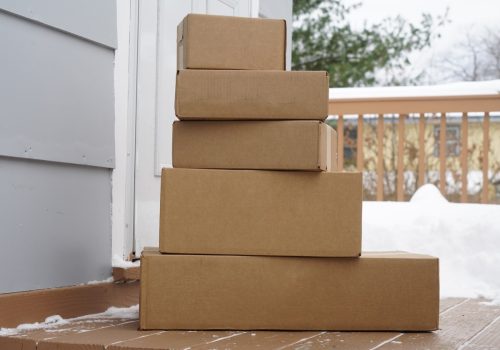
[[465, 324]]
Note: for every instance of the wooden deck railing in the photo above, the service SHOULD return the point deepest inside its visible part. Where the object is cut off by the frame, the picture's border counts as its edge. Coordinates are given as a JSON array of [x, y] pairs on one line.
[[417, 106]]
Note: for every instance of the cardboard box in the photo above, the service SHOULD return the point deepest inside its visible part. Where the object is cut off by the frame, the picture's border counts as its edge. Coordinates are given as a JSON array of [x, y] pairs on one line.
[[240, 94], [278, 145], [377, 292], [253, 212], [223, 42]]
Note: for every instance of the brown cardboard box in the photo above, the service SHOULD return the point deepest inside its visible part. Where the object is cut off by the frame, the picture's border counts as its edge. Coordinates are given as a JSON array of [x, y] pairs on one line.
[[377, 292], [244, 94], [253, 212], [223, 42], [278, 145]]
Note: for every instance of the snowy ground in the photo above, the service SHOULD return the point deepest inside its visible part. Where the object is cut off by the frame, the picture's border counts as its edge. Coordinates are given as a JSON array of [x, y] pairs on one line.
[[465, 237]]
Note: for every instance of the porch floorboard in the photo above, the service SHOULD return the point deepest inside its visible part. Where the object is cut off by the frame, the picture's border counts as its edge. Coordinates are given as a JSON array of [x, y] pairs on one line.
[[464, 324]]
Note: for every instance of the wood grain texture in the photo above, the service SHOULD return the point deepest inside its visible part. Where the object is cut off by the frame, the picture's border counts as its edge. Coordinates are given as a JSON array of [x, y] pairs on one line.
[[464, 159], [400, 161], [442, 154], [126, 274], [380, 157], [98, 339], [28, 339], [345, 340], [262, 340], [175, 340], [466, 324], [458, 324], [485, 163], [445, 304], [360, 160], [413, 104], [421, 149], [68, 302], [340, 142], [487, 339]]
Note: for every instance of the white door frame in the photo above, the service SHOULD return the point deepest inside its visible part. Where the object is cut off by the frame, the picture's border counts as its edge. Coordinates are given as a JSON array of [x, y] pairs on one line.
[[145, 75]]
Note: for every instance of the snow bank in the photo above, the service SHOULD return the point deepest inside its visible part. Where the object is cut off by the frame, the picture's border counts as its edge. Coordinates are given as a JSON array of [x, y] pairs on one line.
[[124, 313], [466, 238]]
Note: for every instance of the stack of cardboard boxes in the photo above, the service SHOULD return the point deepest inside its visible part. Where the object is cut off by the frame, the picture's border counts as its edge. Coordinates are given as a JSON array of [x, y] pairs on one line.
[[257, 230]]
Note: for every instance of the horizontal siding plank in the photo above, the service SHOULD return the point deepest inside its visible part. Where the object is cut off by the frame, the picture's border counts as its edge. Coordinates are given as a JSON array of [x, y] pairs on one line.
[[94, 20], [57, 96]]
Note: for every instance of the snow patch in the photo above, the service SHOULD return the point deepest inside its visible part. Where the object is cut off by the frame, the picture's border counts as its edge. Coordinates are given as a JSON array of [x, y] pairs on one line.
[[428, 193], [131, 312], [107, 280], [465, 237], [51, 321], [119, 262]]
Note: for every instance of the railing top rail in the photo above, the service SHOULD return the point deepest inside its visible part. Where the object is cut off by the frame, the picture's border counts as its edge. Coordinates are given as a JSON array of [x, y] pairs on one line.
[[415, 104], [456, 97]]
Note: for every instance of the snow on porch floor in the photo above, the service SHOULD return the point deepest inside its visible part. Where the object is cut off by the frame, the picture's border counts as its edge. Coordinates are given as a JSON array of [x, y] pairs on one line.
[[464, 324]]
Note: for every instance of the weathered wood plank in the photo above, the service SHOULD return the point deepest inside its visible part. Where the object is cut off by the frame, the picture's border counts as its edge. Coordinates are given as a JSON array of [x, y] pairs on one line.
[[27, 339], [175, 340], [340, 142], [400, 159], [487, 339], [360, 160], [467, 324], [380, 157], [457, 325], [16, 343], [68, 302], [486, 151], [99, 339], [442, 154], [445, 304], [126, 274], [413, 104], [346, 340], [261, 339], [421, 149], [464, 159]]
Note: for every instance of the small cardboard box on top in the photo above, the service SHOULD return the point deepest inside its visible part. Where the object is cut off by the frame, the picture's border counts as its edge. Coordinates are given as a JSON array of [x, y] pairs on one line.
[[224, 42], [271, 145], [255, 212], [251, 95], [393, 291]]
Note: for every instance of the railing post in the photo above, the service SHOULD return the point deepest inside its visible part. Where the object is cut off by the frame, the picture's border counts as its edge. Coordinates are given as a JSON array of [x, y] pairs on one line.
[[340, 142], [464, 157], [442, 154], [421, 149], [401, 150], [380, 157], [360, 144], [486, 150]]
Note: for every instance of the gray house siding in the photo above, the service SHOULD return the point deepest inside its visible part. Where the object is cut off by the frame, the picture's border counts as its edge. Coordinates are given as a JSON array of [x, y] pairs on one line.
[[55, 224], [56, 141]]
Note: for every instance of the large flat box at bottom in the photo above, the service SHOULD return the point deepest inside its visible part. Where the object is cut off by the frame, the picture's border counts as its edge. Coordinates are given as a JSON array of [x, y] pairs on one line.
[[377, 292], [226, 42], [255, 212], [251, 94], [279, 145]]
